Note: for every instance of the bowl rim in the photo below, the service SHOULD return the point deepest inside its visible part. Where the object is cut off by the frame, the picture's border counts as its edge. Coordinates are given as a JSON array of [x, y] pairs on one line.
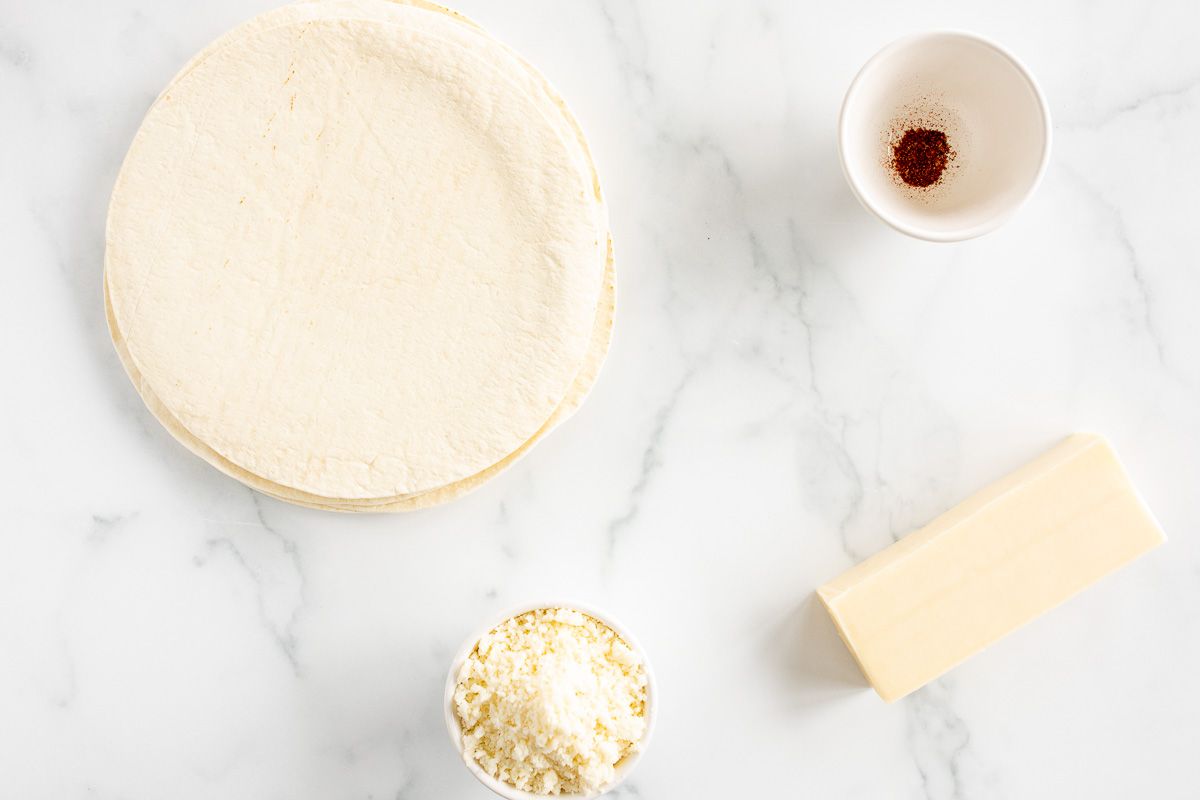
[[624, 767], [996, 220]]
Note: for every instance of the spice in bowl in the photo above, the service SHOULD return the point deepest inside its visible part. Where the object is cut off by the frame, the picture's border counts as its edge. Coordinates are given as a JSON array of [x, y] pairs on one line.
[[921, 145], [943, 135], [921, 156], [551, 701]]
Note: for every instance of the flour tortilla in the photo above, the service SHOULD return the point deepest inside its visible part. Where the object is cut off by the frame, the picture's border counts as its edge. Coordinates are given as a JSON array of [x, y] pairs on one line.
[[601, 337], [148, 385], [584, 379]]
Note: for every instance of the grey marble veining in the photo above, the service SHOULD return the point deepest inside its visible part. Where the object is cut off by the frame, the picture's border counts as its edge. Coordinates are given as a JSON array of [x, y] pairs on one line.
[[792, 387]]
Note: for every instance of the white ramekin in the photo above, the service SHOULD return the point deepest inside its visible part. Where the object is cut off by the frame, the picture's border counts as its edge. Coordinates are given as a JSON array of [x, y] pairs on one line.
[[1004, 122], [452, 725]]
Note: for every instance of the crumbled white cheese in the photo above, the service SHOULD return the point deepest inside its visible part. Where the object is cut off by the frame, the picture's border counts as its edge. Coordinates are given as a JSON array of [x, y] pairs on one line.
[[550, 701]]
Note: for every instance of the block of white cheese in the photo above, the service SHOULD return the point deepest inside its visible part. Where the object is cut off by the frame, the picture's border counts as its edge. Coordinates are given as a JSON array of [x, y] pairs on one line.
[[990, 564]]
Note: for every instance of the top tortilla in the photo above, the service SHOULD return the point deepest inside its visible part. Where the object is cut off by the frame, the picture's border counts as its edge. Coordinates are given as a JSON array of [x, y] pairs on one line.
[[373, 316]]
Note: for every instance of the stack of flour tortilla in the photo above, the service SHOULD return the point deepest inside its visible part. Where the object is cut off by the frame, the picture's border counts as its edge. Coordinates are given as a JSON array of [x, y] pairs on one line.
[[357, 256]]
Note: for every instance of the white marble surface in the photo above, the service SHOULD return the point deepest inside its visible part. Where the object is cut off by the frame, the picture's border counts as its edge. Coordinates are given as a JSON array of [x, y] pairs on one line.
[[792, 386]]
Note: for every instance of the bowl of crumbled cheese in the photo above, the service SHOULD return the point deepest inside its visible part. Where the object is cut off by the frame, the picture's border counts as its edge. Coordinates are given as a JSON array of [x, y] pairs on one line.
[[550, 699]]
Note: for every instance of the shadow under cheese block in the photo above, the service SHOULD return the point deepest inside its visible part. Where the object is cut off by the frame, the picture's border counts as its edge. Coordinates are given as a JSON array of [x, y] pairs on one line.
[[989, 565]]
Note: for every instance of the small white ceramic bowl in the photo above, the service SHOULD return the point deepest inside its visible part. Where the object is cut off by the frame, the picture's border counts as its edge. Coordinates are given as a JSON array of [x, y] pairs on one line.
[[452, 725], [991, 109]]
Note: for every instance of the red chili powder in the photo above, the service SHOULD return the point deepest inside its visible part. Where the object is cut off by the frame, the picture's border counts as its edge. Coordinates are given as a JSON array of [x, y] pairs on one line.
[[920, 156]]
